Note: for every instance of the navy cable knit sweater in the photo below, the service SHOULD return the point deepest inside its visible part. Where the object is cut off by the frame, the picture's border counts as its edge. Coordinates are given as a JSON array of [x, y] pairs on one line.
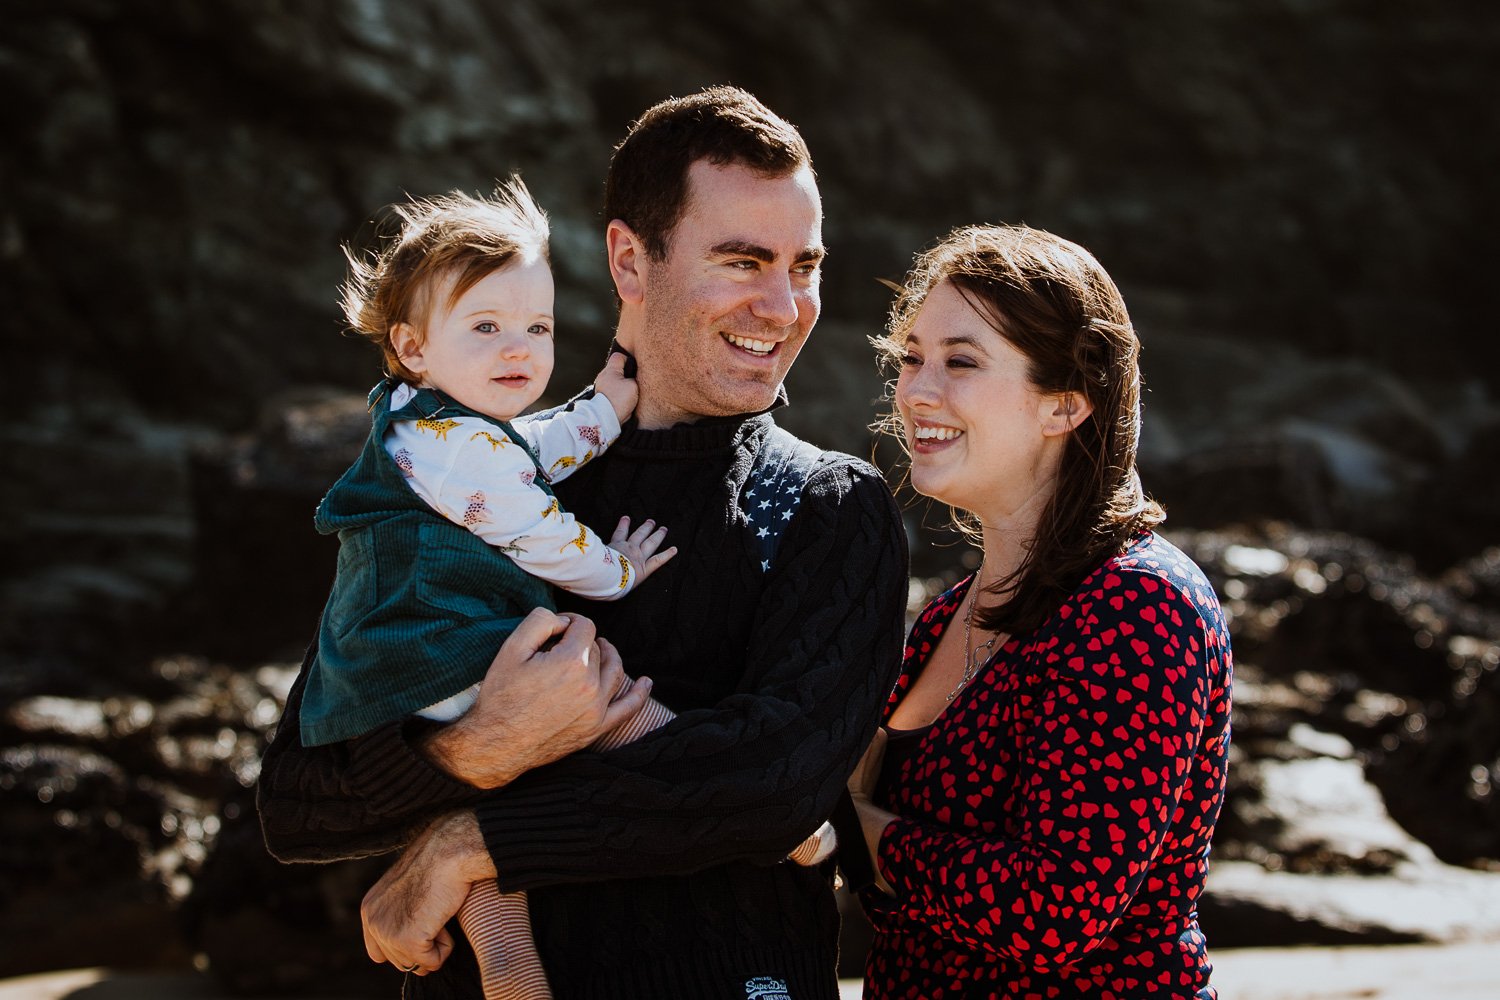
[[656, 869]]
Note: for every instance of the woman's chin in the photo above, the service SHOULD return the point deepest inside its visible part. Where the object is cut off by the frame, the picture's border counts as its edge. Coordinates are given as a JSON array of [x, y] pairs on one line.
[[931, 485]]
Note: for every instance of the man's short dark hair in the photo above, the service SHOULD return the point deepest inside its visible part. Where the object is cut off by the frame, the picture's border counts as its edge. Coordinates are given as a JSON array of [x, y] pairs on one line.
[[647, 183]]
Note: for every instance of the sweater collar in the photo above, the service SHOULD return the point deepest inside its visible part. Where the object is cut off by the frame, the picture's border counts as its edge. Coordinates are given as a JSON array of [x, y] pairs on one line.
[[709, 435]]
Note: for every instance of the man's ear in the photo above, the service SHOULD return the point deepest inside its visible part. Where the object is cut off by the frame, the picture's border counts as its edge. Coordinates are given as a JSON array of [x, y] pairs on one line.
[[627, 262], [407, 344], [1063, 412]]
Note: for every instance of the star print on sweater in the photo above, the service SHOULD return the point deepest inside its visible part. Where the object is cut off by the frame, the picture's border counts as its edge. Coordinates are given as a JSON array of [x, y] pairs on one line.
[[771, 502]]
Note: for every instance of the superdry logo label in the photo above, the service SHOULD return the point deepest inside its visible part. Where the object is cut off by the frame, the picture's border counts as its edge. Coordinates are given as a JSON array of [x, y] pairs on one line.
[[766, 988]]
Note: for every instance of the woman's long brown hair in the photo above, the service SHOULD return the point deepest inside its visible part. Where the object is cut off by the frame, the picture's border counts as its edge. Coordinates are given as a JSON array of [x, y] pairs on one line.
[[1053, 301]]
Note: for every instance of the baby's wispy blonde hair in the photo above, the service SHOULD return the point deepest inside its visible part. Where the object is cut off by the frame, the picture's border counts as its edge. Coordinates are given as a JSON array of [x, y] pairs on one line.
[[453, 238]]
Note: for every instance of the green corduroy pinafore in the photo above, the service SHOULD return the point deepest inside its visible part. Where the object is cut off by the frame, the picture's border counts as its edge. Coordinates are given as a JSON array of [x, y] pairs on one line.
[[419, 605]]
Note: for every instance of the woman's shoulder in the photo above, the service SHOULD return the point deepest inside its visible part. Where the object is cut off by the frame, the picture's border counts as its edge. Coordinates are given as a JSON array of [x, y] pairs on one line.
[[943, 606], [1152, 566]]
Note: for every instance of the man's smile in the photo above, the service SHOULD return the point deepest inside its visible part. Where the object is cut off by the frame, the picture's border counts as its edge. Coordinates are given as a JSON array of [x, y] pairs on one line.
[[752, 346]]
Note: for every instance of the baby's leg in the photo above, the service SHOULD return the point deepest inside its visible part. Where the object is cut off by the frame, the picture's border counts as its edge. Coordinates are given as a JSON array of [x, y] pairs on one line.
[[498, 926], [817, 848], [654, 715]]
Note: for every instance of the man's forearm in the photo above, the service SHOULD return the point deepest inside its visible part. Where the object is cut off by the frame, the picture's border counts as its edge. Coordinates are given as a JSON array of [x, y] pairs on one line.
[[371, 794], [365, 796], [405, 912], [454, 750]]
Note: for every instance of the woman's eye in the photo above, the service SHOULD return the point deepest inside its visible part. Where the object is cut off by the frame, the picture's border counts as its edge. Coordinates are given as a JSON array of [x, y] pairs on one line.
[[486, 327], [960, 361], [910, 361]]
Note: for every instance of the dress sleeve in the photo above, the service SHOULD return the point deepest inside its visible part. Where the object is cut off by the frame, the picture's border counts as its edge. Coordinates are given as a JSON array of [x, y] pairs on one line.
[[750, 777], [568, 437], [474, 475], [1119, 715]]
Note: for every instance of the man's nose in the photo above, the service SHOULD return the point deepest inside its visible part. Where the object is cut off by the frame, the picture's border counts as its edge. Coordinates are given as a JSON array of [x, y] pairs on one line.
[[776, 302]]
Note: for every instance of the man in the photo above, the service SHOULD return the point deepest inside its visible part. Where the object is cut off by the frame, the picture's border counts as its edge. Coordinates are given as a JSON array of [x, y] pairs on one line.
[[655, 870]]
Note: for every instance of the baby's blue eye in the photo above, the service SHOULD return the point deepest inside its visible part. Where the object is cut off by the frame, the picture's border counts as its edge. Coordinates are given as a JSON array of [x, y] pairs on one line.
[[486, 327], [539, 329]]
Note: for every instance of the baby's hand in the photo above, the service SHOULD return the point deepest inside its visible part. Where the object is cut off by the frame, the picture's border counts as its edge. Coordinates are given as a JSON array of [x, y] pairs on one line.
[[640, 546], [619, 390]]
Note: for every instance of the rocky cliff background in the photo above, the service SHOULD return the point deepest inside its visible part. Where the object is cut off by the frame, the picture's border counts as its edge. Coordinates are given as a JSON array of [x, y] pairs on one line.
[[1295, 196]]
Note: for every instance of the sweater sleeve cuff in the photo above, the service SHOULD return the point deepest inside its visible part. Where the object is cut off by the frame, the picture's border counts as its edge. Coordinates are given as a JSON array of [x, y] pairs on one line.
[[534, 834], [388, 771]]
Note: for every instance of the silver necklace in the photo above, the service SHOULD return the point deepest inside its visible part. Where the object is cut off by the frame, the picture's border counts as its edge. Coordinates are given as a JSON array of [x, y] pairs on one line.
[[974, 656]]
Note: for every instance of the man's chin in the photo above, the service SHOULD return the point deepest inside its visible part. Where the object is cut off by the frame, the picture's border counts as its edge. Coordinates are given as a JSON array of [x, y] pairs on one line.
[[747, 398]]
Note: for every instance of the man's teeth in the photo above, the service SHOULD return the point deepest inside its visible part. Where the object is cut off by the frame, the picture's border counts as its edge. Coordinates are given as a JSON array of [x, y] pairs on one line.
[[753, 346], [937, 433]]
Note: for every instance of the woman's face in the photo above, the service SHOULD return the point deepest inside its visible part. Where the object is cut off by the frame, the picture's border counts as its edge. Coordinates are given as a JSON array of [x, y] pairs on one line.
[[976, 427]]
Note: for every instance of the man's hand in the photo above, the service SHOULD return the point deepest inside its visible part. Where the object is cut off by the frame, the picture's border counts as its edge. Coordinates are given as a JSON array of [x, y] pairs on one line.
[[403, 914], [537, 705]]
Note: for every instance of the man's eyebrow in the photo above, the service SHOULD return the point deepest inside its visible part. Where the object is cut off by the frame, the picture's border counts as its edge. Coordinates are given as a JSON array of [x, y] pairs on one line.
[[744, 248]]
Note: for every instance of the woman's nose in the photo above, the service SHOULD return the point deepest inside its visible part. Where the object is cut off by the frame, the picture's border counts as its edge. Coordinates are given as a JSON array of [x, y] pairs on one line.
[[916, 388]]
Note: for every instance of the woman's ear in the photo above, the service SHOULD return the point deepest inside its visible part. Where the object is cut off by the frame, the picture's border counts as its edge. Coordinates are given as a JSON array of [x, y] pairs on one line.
[[627, 262], [407, 344], [1063, 412]]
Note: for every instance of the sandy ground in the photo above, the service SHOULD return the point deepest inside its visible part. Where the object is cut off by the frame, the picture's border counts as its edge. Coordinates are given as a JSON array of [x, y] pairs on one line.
[[1406, 972]]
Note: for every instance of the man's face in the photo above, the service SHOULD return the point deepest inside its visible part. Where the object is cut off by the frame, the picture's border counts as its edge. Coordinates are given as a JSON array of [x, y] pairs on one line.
[[731, 304]]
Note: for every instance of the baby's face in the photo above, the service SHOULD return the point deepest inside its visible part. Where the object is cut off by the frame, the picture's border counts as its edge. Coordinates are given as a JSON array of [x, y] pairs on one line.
[[492, 350]]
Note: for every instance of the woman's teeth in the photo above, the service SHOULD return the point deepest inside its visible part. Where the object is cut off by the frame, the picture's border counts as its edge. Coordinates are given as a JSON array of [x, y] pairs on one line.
[[937, 433], [753, 346]]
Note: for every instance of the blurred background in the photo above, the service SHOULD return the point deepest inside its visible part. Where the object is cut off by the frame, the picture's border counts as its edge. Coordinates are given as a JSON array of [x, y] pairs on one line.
[[1296, 197]]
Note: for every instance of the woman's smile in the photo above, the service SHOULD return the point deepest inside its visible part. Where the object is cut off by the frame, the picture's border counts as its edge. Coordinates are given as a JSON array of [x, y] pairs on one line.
[[929, 438]]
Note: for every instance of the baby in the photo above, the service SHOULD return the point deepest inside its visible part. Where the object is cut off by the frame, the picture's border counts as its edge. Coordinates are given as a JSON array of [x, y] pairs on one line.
[[449, 533]]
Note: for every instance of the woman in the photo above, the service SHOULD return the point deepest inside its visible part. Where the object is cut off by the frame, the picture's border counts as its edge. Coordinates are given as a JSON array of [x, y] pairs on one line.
[[1040, 804]]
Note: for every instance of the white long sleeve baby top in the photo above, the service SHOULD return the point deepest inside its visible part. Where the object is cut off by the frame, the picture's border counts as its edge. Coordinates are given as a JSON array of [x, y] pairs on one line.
[[469, 471]]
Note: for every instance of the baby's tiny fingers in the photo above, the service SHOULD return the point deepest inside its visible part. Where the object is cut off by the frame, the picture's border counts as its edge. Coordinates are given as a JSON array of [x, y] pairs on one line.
[[659, 560], [653, 541]]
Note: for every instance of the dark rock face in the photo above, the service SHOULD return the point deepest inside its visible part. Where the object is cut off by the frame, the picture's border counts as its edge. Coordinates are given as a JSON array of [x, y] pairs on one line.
[[255, 496], [1344, 639], [1279, 189], [1278, 176], [132, 840]]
